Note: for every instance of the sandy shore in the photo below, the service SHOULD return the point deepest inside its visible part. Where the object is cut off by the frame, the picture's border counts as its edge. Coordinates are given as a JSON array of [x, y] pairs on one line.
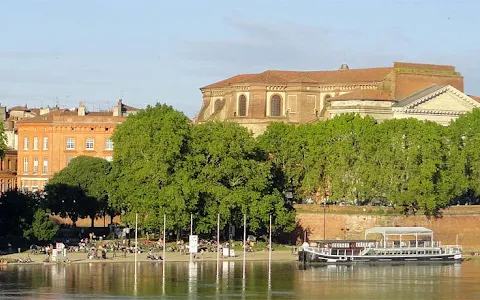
[[81, 257]]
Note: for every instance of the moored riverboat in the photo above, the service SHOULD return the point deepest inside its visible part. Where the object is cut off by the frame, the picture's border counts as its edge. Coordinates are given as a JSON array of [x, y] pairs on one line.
[[396, 244]]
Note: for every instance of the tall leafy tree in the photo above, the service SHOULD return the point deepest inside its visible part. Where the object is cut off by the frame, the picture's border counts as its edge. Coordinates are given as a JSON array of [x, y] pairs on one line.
[[16, 213], [463, 172], [149, 149], [286, 148], [80, 189], [233, 178], [411, 154], [336, 160]]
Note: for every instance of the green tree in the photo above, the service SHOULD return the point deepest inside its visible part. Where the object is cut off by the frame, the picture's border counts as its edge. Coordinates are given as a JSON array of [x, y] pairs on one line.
[[286, 148], [411, 155], [149, 148], [43, 229], [16, 213], [463, 172], [337, 152], [80, 189], [232, 177]]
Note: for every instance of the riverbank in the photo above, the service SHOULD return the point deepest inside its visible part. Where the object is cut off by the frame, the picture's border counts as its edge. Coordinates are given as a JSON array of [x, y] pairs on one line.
[[81, 257]]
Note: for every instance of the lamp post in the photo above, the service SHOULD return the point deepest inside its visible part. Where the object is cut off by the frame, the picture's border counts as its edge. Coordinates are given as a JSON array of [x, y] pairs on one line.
[[325, 200], [324, 223]]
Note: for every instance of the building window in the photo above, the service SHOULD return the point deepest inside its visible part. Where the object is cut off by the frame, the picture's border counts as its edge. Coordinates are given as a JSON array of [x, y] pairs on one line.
[[45, 143], [45, 165], [25, 143], [108, 144], [35, 143], [89, 145], [25, 165], [109, 158], [70, 143], [242, 106], [275, 106], [35, 165]]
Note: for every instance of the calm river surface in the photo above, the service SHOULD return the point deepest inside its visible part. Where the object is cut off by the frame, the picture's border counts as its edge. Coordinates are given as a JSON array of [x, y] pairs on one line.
[[203, 280]]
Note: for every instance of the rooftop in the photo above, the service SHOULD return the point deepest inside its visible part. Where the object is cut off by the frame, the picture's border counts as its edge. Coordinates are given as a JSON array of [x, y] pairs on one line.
[[399, 230], [344, 75]]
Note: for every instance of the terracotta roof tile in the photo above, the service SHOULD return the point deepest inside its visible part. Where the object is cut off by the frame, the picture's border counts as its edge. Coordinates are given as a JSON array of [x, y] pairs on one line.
[[360, 94], [229, 81], [18, 108], [476, 98], [319, 77], [99, 113], [35, 111], [129, 108]]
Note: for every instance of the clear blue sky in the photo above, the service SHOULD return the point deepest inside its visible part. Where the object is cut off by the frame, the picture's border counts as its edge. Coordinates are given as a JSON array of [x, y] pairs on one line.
[[98, 51]]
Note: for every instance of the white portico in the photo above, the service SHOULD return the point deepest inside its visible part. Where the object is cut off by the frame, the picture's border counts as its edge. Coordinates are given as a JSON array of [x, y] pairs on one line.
[[438, 103]]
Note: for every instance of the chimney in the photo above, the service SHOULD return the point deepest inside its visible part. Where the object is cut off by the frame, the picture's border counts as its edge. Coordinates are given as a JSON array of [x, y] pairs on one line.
[[81, 109], [117, 109]]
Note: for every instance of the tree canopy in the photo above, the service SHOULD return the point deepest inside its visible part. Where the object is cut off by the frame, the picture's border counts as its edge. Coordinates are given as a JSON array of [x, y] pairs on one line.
[[150, 147], [164, 165], [80, 189]]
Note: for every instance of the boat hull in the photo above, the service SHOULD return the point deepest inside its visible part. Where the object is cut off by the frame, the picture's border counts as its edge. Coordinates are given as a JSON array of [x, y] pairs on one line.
[[312, 257]]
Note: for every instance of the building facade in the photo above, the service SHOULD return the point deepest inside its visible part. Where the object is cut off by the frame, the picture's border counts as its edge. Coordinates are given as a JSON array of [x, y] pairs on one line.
[[49, 141], [8, 163], [422, 91], [8, 170]]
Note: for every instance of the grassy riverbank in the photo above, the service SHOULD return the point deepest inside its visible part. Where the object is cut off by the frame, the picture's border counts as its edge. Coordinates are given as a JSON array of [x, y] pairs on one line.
[[81, 257]]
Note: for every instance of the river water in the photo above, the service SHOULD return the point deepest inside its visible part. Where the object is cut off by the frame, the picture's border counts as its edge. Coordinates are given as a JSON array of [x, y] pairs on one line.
[[204, 280]]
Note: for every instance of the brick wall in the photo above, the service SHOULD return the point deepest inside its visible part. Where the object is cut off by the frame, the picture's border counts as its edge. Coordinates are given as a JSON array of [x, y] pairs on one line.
[[407, 84], [351, 222]]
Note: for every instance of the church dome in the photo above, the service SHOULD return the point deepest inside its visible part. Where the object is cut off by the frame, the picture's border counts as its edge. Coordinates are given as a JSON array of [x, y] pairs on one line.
[[344, 66]]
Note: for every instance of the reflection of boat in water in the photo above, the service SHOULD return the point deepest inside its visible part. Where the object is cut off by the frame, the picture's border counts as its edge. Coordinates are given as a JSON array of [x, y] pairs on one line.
[[397, 244]]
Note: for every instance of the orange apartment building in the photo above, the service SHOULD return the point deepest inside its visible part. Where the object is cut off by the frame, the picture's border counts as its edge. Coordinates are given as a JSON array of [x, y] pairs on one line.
[[48, 142]]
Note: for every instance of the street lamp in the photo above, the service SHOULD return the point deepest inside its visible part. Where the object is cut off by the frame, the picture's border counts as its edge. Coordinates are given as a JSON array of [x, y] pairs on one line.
[[325, 200]]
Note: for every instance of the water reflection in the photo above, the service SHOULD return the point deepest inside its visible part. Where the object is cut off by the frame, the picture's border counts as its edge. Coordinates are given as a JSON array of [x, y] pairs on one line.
[[225, 280], [192, 279]]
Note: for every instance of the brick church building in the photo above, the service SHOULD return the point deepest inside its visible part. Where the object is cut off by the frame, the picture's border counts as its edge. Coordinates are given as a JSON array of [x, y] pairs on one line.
[[421, 91]]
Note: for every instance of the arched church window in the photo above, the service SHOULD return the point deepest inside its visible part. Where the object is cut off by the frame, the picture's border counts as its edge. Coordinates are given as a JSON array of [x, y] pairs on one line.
[[275, 106], [242, 106]]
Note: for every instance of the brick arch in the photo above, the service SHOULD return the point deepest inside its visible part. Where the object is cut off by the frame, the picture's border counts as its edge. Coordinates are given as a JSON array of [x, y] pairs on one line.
[[276, 105]]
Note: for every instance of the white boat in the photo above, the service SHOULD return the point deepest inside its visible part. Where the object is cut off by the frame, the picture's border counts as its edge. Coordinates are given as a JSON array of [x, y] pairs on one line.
[[396, 244]]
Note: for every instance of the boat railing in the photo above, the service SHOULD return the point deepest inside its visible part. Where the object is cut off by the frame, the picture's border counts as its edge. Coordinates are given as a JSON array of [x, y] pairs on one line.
[[407, 244], [451, 249]]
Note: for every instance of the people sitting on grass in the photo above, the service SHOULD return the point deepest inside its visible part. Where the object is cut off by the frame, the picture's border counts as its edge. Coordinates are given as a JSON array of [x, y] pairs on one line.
[[154, 256]]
